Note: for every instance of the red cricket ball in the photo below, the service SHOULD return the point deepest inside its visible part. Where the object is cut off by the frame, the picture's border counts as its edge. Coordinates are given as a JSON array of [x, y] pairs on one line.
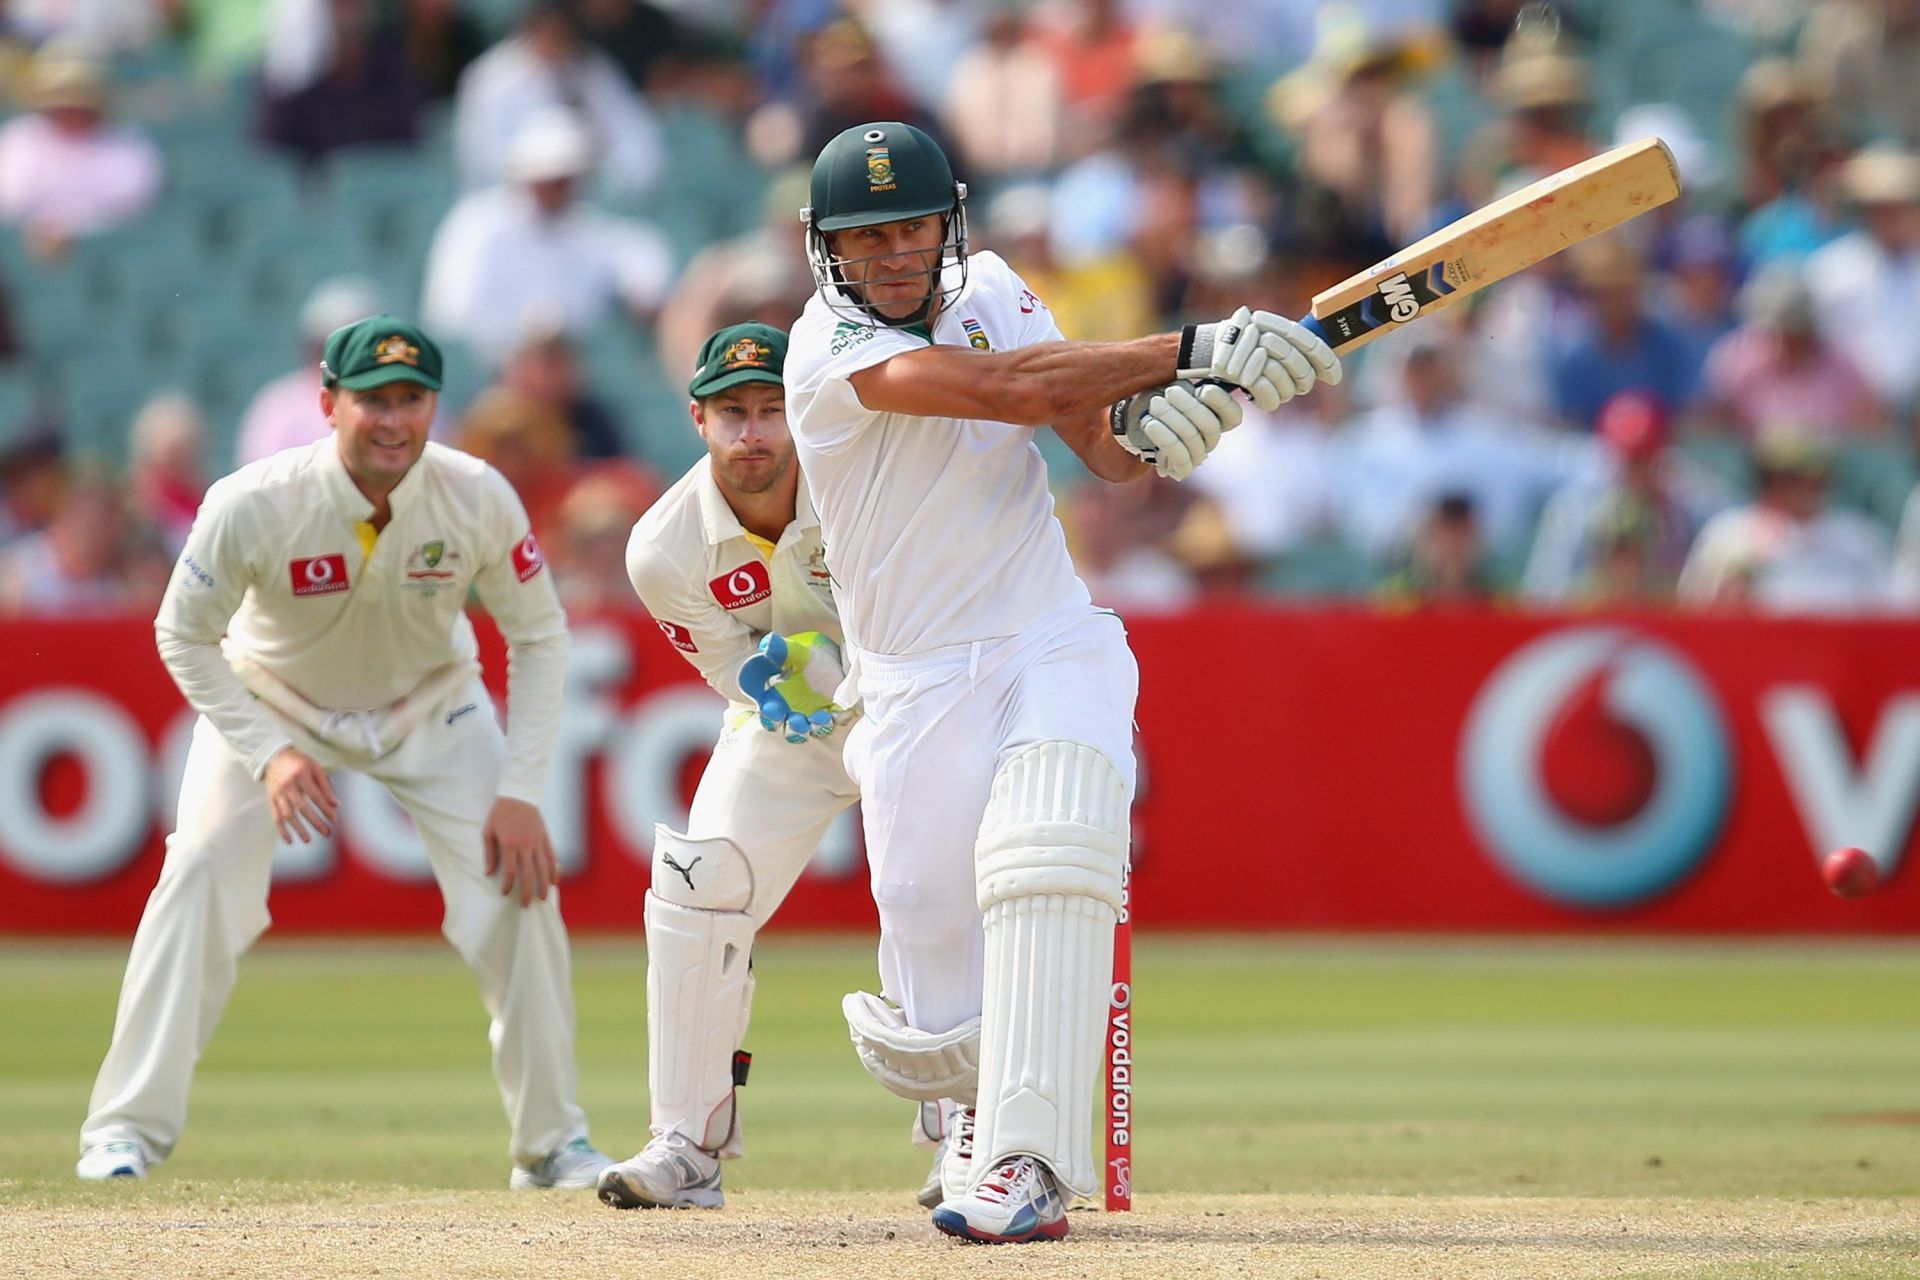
[[1850, 872]]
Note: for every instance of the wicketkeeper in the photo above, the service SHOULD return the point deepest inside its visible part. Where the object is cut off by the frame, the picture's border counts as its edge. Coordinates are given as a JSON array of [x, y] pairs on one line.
[[729, 563]]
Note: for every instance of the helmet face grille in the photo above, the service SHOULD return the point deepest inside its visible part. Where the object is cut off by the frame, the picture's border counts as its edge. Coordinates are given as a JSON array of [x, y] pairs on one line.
[[944, 284]]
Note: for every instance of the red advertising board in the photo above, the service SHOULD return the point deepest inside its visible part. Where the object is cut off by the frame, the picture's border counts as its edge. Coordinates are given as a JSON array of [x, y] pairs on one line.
[[1300, 770]]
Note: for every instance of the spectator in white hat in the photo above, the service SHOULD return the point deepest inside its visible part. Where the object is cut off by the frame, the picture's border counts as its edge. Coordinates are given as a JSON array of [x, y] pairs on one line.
[[542, 66], [64, 172], [528, 247], [1866, 285]]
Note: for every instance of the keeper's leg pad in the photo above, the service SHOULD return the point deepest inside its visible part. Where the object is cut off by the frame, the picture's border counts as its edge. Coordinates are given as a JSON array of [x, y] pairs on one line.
[[699, 985], [1050, 856]]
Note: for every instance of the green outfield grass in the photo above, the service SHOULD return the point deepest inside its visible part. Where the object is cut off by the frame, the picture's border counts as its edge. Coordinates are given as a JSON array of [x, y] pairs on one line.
[[1349, 1067]]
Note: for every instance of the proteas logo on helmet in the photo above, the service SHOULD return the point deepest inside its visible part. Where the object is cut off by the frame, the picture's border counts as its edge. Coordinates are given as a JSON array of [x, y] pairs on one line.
[[879, 169]]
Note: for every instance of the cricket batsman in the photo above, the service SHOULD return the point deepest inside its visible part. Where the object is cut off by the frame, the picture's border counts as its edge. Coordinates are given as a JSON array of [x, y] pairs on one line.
[[338, 575], [729, 563], [994, 754]]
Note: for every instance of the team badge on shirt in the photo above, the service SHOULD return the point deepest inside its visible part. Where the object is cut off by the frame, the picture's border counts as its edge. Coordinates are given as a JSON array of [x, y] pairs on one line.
[[976, 336], [430, 567], [738, 588], [318, 575], [528, 559], [677, 635]]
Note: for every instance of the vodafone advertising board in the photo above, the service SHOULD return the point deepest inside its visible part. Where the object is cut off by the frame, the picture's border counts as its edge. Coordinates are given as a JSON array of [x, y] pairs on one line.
[[1301, 770]]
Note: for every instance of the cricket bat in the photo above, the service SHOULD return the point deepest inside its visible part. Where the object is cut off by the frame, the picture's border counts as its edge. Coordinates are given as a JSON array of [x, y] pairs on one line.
[[1492, 243]]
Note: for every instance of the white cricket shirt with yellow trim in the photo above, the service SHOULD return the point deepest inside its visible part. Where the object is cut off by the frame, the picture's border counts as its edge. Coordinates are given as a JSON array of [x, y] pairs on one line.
[[714, 589], [283, 562]]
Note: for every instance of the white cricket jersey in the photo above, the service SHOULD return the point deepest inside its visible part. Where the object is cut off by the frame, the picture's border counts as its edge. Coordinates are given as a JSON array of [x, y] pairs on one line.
[[939, 531], [713, 589], [282, 561]]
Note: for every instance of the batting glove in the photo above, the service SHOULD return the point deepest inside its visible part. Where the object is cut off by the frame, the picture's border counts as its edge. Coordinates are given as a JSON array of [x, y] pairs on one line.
[[1266, 355], [1175, 427]]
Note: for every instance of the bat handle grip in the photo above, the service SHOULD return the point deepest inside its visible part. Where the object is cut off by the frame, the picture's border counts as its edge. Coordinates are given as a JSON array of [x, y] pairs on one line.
[[1311, 323]]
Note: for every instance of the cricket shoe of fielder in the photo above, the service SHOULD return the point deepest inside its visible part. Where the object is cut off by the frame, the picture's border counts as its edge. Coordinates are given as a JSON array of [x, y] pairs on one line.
[[108, 1160], [1017, 1203], [572, 1167], [669, 1173]]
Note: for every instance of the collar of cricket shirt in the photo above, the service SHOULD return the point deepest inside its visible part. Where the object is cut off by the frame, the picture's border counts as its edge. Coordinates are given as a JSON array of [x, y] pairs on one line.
[[345, 496], [717, 520]]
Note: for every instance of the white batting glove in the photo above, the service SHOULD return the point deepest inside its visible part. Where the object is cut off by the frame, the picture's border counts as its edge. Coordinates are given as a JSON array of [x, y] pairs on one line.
[[1177, 426], [1305, 354], [1267, 355]]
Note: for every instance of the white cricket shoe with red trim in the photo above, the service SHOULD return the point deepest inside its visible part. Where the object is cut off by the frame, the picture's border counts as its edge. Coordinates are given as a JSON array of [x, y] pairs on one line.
[[1018, 1202]]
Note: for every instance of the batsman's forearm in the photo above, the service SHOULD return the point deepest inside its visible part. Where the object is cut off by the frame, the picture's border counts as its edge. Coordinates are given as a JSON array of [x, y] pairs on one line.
[[1059, 381]]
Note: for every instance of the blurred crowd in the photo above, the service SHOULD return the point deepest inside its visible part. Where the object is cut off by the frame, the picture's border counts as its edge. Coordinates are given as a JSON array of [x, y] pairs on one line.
[[1715, 408]]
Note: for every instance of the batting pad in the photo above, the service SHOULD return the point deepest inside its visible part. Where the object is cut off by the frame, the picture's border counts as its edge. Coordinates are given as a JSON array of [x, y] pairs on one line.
[[699, 985], [1049, 860]]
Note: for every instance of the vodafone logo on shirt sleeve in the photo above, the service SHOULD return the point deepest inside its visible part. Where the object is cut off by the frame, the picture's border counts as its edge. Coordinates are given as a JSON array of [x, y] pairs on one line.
[[318, 575], [681, 637], [741, 587], [528, 559]]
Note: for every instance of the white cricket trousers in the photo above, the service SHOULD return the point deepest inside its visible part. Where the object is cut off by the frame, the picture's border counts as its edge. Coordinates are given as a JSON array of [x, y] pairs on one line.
[[937, 727], [211, 903]]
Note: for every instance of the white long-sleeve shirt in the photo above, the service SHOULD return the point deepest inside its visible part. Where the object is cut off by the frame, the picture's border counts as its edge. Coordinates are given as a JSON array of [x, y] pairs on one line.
[[715, 590], [283, 562]]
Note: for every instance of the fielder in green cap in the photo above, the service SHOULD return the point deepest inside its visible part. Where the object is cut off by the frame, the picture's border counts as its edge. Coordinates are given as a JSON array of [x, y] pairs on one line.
[[739, 407], [730, 565], [317, 621], [380, 389]]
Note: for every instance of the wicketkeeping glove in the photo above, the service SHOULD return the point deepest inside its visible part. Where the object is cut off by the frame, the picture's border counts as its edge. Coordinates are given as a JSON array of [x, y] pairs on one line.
[[792, 680], [1175, 427]]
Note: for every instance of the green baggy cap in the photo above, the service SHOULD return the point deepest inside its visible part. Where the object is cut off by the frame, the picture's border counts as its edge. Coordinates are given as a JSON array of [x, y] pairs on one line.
[[378, 350], [739, 353]]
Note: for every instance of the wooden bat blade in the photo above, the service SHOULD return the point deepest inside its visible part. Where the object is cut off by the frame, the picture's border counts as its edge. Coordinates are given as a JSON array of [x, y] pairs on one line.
[[1492, 243]]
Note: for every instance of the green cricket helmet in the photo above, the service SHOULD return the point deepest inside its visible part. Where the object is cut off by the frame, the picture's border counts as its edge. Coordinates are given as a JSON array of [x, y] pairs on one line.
[[883, 172]]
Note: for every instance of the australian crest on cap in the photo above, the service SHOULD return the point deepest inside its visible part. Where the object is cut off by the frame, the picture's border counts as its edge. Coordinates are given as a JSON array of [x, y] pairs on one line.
[[395, 349], [746, 351]]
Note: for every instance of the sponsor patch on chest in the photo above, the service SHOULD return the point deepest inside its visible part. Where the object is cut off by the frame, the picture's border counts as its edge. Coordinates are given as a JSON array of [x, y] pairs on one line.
[[738, 588], [318, 575]]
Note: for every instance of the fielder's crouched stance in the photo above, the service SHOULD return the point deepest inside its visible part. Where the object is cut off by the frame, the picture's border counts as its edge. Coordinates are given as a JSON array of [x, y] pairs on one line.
[[994, 754], [339, 574], [729, 564]]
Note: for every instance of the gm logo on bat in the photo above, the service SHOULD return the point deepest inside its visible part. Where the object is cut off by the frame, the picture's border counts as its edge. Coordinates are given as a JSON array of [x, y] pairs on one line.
[[1595, 767], [1397, 293]]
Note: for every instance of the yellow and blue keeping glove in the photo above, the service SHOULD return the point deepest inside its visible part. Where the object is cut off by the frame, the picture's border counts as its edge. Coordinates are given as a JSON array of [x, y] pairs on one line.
[[792, 680]]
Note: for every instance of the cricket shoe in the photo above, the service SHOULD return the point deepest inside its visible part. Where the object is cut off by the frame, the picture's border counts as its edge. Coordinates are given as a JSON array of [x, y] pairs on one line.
[[952, 1159], [107, 1160], [669, 1173], [1018, 1202], [574, 1167]]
